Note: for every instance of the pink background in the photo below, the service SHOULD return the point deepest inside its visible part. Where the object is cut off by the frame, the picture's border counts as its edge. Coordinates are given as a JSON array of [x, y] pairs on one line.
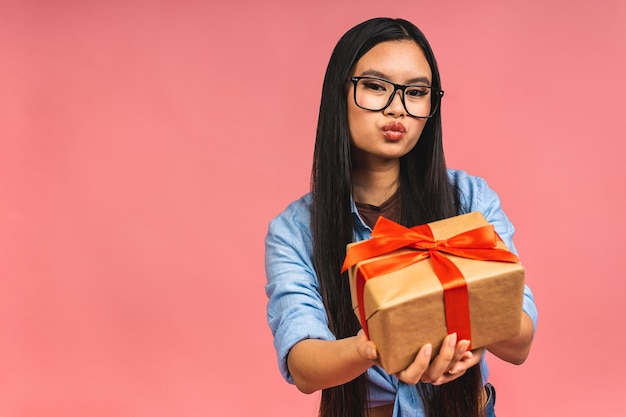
[[144, 147]]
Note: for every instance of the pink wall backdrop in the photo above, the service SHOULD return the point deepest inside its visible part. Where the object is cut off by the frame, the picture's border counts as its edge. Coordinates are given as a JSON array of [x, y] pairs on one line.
[[145, 145]]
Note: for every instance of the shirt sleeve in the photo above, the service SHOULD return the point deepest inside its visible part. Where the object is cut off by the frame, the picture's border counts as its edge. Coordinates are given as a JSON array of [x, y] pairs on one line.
[[477, 196], [295, 310]]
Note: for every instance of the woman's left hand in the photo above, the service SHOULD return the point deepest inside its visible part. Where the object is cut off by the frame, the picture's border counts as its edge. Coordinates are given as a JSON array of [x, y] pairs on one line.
[[452, 364]]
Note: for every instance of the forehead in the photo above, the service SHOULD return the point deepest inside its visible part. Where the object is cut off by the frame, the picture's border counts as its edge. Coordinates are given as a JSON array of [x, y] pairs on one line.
[[398, 61]]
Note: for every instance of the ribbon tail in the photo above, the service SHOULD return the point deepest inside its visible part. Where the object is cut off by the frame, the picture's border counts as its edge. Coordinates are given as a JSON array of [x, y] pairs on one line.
[[456, 297], [360, 286]]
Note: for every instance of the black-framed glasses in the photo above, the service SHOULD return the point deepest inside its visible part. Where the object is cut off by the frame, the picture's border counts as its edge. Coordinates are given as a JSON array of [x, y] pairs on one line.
[[376, 94]]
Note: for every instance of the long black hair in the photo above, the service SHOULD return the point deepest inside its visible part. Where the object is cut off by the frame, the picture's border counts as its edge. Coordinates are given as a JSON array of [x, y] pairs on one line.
[[426, 195]]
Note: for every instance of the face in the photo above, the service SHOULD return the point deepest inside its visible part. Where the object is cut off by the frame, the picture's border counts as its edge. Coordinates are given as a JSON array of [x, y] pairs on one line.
[[381, 136]]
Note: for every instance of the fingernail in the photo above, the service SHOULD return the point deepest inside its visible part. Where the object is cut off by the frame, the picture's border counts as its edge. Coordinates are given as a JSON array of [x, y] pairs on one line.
[[428, 349], [452, 340]]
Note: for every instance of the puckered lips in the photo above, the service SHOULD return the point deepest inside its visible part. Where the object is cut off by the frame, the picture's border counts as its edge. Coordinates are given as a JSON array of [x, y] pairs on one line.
[[393, 131]]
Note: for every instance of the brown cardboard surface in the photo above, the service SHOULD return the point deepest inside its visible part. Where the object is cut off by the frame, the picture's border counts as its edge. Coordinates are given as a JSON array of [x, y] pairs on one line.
[[405, 308]]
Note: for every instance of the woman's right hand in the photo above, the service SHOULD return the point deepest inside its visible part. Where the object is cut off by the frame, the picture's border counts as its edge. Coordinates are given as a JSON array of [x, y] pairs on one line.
[[315, 364], [366, 348]]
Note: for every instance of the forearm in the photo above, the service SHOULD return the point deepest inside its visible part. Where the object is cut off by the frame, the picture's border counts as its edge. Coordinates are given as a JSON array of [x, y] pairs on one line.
[[516, 349], [317, 364]]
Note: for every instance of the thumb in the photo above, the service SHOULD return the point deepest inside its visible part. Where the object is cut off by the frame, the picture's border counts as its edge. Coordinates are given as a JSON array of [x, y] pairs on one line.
[[370, 351]]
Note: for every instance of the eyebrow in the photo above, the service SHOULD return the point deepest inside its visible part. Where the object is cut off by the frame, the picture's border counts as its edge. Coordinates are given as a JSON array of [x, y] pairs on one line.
[[378, 74]]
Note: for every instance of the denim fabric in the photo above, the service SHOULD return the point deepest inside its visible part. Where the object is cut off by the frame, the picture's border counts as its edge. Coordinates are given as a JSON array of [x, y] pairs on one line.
[[491, 401], [295, 310]]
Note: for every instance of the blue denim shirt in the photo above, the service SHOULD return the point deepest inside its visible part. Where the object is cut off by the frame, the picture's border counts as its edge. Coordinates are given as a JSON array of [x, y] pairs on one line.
[[295, 310]]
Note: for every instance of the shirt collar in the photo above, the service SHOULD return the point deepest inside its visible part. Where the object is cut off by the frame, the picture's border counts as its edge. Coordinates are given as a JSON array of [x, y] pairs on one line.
[[361, 230]]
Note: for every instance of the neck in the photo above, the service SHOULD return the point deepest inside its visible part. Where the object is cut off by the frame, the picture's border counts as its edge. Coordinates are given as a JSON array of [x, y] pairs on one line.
[[374, 185]]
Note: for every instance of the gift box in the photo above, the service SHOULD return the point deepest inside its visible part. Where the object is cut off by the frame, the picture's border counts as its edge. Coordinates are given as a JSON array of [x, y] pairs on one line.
[[412, 286]]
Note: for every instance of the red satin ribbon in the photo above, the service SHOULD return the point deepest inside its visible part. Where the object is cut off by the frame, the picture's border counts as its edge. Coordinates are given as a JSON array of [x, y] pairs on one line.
[[389, 236]]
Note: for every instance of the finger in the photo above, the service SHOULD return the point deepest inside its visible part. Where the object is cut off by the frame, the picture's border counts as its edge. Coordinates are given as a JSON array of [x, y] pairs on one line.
[[459, 354], [472, 357], [468, 359], [442, 361], [366, 348], [370, 351], [413, 373], [447, 377]]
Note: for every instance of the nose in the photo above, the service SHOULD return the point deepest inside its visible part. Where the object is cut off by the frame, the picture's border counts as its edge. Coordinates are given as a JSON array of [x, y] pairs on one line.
[[396, 107]]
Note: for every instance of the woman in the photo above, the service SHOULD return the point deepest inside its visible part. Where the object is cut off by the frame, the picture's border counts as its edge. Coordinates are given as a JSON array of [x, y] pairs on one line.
[[378, 152]]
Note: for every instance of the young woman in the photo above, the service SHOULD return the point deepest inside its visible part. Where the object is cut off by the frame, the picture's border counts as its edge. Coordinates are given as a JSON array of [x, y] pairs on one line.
[[378, 152]]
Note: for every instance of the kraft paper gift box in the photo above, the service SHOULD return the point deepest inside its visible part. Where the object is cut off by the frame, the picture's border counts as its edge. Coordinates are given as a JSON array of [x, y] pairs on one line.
[[397, 281]]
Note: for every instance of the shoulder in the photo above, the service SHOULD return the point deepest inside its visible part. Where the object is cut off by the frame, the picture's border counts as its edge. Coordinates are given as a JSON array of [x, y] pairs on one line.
[[475, 193], [296, 216], [289, 234]]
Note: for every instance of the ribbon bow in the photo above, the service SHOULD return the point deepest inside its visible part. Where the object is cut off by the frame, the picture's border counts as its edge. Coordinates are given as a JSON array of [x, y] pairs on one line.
[[388, 236]]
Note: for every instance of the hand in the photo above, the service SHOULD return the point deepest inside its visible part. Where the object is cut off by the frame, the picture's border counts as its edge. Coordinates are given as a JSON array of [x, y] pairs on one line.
[[366, 348], [452, 362]]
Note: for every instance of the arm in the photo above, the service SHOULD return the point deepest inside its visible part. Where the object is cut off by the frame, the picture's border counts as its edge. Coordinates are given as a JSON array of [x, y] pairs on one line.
[[317, 364], [476, 195], [516, 350], [295, 310]]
